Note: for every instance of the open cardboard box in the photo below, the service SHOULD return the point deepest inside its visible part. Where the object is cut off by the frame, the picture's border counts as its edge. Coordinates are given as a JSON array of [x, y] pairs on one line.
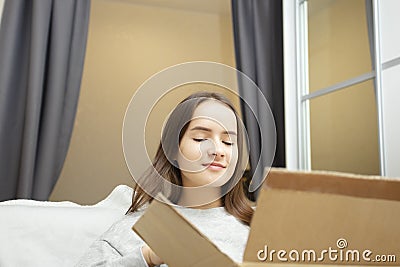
[[301, 218]]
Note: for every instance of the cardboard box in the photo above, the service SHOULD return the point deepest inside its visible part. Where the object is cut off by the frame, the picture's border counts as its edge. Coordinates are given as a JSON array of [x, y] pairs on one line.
[[301, 218]]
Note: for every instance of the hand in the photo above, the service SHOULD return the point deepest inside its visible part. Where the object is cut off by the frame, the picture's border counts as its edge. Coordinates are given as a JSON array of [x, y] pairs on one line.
[[151, 258]]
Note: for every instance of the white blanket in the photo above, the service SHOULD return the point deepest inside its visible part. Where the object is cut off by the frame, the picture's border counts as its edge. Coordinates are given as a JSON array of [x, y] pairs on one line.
[[40, 233]]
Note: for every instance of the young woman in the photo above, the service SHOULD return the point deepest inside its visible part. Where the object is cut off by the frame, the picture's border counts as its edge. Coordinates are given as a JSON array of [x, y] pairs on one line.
[[202, 155]]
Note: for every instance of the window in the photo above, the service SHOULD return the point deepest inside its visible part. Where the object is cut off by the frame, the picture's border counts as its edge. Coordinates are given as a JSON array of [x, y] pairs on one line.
[[339, 98]]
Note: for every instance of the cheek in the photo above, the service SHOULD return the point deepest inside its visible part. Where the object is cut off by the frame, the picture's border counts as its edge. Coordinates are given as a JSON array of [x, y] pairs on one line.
[[233, 156], [190, 151]]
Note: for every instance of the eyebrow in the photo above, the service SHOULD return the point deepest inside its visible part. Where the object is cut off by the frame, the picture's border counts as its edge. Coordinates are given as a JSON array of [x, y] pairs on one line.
[[201, 128]]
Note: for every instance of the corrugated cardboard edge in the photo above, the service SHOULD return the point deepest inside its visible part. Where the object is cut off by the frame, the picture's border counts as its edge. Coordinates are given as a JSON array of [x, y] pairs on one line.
[[336, 173], [328, 182]]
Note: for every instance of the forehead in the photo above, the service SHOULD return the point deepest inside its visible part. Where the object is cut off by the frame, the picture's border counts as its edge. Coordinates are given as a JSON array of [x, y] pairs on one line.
[[215, 111]]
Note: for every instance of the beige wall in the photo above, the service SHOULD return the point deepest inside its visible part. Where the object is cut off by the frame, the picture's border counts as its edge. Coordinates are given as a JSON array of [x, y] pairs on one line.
[[128, 43], [344, 134]]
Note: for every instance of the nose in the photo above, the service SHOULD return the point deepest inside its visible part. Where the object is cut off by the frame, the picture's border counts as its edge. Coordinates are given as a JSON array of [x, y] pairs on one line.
[[216, 149]]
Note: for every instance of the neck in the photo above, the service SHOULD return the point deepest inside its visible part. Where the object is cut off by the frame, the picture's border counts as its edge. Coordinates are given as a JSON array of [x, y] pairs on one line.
[[200, 197]]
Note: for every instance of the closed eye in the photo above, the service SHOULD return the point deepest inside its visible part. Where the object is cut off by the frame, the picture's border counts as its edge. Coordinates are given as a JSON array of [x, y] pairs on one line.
[[202, 139]]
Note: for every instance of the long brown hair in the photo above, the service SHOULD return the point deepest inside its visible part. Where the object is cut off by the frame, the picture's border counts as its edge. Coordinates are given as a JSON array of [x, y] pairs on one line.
[[234, 200]]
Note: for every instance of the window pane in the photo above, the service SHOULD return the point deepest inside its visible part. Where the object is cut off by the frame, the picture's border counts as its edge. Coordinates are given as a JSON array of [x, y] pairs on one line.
[[338, 41], [344, 130]]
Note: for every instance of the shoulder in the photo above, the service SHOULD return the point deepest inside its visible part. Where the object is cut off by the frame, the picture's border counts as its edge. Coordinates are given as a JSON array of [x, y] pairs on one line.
[[128, 220]]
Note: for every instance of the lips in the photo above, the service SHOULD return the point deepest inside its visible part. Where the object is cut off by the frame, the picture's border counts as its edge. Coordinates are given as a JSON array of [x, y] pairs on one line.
[[214, 165]]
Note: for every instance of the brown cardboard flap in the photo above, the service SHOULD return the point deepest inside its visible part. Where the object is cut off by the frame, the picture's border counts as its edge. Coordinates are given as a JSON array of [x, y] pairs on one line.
[[334, 183], [312, 211], [177, 241]]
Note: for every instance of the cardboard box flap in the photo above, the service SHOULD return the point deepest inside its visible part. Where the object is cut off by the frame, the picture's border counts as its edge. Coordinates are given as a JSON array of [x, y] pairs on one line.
[[334, 183], [176, 240], [299, 212]]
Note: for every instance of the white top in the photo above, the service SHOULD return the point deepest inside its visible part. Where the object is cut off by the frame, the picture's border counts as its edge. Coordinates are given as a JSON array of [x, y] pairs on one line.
[[120, 246]]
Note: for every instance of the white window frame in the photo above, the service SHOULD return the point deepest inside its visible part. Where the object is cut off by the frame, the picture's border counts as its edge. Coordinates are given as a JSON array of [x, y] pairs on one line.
[[297, 96]]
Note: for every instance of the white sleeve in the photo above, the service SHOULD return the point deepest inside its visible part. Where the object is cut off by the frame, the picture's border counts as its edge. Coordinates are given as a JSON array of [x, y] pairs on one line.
[[118, 246], [102, 253]]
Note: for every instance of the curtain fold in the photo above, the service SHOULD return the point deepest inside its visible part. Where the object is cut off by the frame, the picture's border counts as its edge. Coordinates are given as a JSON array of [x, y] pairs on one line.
[[42, 48], [258, 35]]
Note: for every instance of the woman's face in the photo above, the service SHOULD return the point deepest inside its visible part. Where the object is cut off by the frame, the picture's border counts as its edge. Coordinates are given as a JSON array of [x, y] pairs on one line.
[[208, 150]]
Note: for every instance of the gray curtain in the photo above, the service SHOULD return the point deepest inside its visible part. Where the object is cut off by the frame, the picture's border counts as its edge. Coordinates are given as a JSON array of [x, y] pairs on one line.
[[258, 32], [42, 48]]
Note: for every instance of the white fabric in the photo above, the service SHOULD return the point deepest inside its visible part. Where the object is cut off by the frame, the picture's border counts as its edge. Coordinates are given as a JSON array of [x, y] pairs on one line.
[[40, 233]]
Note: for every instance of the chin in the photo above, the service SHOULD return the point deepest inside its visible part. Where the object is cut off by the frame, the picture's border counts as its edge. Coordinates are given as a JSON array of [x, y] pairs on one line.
[[212, 180]]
